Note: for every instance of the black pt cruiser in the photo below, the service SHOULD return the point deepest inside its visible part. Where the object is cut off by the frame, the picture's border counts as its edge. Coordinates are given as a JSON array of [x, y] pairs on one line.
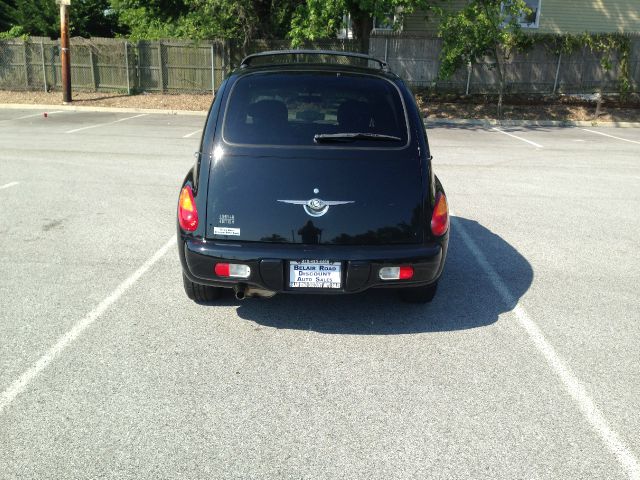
[[313, 176]]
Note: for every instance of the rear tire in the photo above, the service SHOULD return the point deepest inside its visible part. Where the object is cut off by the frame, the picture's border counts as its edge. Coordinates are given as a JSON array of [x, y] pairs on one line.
[[419, 294], [200, 293]]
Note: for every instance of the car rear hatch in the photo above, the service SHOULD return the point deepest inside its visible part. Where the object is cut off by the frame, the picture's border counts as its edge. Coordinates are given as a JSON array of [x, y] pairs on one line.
[[344, 199], [315, 157]]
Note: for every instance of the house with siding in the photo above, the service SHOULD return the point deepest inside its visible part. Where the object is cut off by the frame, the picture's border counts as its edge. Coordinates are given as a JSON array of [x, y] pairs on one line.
[[549, 16]]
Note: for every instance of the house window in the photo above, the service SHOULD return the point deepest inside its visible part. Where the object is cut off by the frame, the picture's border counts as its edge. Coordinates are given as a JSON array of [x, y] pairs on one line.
[[346, 32], [531, 19], [384, 23]]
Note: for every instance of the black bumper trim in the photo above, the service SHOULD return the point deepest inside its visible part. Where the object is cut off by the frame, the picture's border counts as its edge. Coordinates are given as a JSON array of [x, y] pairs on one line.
[[268, 263]]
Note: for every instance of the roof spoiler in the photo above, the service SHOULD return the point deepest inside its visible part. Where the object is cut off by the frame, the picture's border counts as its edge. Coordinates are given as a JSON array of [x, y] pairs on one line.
[[246, 62]]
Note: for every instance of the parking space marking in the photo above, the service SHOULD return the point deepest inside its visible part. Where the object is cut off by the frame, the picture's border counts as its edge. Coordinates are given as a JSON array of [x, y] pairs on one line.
[[574, 387], [105, 124], [188, 135], [537, 145], [611, 136], [39, 114], [9, 185], [17, 387]]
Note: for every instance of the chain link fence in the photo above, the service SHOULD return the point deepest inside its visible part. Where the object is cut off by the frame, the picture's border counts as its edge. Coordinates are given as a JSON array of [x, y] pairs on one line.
[[102, 64]]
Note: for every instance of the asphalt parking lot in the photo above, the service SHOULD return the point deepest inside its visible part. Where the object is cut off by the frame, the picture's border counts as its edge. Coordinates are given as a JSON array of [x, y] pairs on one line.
[[526, 365]]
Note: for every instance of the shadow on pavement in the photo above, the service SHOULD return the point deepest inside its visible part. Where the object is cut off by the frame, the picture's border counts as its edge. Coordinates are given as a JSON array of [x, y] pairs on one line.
[[104, 97], [465, 299]]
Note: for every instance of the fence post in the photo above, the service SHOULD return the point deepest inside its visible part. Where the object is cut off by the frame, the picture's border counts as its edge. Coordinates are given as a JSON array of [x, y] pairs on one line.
[[469, 69], [44, 68], [126, 62], [386, 48], [555, 82], [160, 69], [225, 52], [26, 64], [93, 69], [138, 77], [213, 71]]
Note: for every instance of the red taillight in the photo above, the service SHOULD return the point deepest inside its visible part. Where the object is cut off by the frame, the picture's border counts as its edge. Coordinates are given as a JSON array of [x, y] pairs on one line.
[[440, 216], [406, 273], [222, 269], [187, 212]]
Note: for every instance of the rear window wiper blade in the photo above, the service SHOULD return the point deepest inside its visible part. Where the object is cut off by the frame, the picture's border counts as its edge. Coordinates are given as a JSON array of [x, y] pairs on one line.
[[350, 137]]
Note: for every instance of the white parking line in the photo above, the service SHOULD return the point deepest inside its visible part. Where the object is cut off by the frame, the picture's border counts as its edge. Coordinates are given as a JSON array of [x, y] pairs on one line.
[[611, 136], [192, 133], [9, 185], [571, 383], [40, 114], [537, 145], [105, 124], [69, 337]]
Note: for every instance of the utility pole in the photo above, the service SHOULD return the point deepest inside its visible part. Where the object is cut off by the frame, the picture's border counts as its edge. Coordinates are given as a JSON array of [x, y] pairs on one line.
[[65, 57]]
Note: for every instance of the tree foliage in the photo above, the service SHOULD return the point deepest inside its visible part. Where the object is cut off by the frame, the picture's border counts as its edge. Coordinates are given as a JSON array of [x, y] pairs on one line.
[[42, 17], [7, 14], [315, 19], [92, 18], [199, 19], [484, 29], [202, 19], [37, 17]]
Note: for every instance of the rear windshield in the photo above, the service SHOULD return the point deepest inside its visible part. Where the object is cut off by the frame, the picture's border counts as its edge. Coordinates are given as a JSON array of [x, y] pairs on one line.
[[315, 109]]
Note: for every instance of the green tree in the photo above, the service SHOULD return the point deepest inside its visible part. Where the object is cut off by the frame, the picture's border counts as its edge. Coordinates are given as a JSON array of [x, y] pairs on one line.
[[38, 17], [7, 14], [87, 18], [92, 18], [205, 19], [315, 19], [149, 19], [484, 29]]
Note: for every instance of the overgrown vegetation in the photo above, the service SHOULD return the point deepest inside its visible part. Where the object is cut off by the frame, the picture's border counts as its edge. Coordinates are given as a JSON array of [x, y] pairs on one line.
[[14, 32], [483, 29], [489, 32], [607, 44]]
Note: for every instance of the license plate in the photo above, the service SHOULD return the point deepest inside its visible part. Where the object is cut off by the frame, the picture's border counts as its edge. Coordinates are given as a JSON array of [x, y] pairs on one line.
[[315, 274]]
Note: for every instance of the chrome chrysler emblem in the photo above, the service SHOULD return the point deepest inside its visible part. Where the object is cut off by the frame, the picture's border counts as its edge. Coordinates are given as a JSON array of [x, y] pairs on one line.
[[316, 207]]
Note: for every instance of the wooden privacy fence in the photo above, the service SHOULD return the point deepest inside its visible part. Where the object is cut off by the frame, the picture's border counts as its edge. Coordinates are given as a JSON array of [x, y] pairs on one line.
[[114, 65], [416, 60], [102, 64]]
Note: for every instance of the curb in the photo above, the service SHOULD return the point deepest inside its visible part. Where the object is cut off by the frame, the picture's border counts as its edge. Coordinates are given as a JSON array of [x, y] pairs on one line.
[[429, 122], [74, 108], [527, 123]]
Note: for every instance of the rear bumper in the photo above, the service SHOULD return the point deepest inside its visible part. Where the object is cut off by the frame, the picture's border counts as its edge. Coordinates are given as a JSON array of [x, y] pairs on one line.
[[269, 263]]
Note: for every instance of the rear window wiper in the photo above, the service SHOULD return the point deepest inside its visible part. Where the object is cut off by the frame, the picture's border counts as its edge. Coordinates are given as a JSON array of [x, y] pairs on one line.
[[350, 137]]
